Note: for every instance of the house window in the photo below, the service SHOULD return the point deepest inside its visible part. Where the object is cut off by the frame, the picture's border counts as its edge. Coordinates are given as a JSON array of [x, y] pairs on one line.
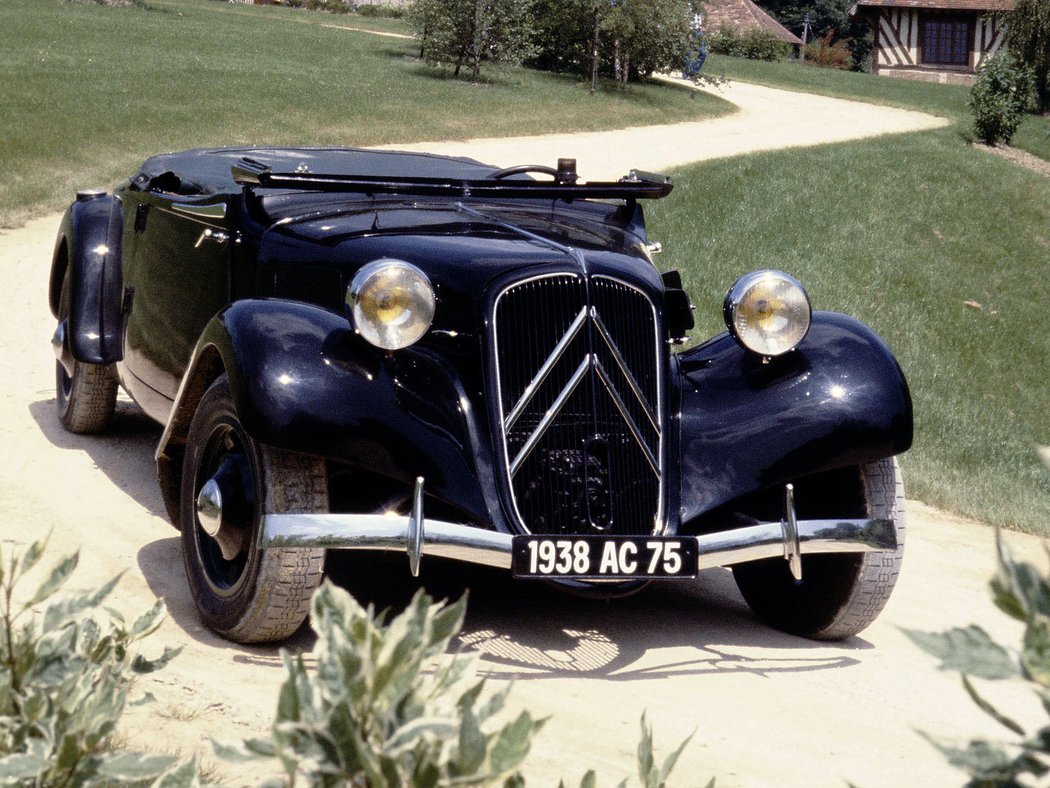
[[946, 40]]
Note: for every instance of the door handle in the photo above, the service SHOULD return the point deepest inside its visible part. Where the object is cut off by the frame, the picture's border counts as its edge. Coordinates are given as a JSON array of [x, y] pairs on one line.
[[218, 236]]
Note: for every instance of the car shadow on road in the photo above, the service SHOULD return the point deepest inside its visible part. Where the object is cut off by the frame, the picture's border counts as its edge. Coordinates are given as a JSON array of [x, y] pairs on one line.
[[523, 629], [530, 629], [123, 452]]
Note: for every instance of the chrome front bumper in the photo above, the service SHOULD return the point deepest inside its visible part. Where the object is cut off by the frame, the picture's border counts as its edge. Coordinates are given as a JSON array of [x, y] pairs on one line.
[[789, 539]]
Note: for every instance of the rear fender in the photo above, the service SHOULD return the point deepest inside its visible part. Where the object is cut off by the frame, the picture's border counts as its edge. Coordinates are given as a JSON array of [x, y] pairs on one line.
[[840, 399], [303, 381], [89, 248]]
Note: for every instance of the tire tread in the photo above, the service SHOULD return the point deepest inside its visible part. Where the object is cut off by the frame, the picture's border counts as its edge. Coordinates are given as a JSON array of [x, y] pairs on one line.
[[288, 576]]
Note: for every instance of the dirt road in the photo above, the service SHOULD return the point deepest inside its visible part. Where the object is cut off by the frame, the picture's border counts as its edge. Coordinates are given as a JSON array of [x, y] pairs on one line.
[[768, 709]]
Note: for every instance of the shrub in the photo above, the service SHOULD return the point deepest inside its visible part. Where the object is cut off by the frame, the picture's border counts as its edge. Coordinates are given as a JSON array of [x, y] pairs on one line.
[[332, 6], [385, 707], [754, 44], [65, 673], [822, 52], [371, 715], [380, 9], [1000, 95]]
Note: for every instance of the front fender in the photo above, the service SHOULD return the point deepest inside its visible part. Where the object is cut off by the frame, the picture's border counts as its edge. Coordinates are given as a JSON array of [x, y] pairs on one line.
[[840, 399], [303, 381], [89, 248]]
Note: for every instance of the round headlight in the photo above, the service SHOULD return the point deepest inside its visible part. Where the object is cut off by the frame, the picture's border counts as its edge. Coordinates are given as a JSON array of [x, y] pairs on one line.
[[767, 312], [392, 303]]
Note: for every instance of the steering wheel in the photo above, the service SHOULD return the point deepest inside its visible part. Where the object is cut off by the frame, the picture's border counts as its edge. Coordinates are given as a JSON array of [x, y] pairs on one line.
[[523, 168]]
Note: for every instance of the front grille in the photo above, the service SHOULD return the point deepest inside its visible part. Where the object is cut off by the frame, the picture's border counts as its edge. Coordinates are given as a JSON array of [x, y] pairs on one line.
[[578, 370]]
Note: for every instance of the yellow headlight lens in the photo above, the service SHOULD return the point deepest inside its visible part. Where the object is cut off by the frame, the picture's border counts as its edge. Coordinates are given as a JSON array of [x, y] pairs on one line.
[[392, 303], [768, 312]]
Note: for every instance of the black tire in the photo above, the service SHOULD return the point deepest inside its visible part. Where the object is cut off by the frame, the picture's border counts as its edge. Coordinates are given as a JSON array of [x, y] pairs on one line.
[[85, 400], [247, 595], [839, 595]]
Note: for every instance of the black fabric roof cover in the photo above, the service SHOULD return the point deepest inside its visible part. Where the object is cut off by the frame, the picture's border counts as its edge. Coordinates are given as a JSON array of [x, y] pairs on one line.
[[207, 170]]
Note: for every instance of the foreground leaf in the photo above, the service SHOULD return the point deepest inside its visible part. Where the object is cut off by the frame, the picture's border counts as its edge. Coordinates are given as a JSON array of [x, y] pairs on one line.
[[129, 767], [968, 650], [59, 575]]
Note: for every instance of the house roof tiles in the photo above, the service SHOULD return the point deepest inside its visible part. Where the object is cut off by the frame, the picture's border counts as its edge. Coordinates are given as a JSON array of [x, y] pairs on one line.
[[744, 15]]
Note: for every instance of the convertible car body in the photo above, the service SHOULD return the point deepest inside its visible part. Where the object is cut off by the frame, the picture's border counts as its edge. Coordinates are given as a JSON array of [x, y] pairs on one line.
[[352, 349]]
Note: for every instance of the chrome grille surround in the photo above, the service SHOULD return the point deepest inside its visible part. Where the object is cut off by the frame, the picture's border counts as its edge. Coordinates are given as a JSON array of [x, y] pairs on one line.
[[579, 407]]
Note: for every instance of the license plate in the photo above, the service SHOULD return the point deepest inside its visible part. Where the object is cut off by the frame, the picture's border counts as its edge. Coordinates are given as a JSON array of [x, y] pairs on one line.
[[605, 557]]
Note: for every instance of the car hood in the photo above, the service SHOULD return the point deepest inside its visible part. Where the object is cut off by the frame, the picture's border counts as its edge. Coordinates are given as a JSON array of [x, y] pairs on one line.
[[466, 249]]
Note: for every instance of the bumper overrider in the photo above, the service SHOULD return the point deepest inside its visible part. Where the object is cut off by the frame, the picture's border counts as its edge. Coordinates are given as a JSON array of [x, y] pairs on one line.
[[790, 538]]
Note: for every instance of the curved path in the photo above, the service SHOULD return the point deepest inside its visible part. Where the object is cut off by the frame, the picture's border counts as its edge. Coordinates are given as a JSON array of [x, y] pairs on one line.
[[768, 709], [767, 119]]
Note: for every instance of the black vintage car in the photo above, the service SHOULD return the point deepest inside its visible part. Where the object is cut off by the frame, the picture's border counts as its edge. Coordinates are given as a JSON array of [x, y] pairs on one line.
[[352, 349]]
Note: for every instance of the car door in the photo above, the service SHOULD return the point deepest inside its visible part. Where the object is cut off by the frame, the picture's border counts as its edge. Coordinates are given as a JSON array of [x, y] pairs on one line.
[[176, 275]]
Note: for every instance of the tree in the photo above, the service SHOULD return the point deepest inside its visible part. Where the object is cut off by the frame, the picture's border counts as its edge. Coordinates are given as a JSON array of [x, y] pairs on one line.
[[455, 32], [643, 36], [622, 39], [1028, 37]]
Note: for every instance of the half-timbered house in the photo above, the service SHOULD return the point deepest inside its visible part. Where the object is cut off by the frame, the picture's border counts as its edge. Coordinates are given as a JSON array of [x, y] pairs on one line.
[[934, 40]]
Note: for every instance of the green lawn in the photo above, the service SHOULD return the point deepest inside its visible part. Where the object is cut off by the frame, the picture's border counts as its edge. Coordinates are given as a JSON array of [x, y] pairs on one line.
[[88, 91], [946, 101], [902, 232], [1034, 136]]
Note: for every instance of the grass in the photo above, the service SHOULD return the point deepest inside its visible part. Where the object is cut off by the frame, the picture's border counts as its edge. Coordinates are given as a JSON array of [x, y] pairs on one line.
[[1034, 136], [89, 91], [942, 248], [947, 101]]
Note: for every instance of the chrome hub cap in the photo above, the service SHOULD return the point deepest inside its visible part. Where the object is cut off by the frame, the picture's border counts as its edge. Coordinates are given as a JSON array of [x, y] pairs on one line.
[[209, 508], [221, 509]]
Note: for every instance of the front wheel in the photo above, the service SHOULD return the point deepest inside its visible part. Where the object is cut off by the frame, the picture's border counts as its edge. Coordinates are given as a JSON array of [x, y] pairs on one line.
[[229, 481], [839, 595]]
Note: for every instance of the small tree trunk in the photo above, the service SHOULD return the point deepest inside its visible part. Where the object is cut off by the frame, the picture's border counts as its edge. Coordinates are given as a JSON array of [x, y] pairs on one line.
[[477, 41], [594, 53]]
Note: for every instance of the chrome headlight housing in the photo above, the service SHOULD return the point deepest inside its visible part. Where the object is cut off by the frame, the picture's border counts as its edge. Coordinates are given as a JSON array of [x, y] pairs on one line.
[[392, 303], [767, 312]]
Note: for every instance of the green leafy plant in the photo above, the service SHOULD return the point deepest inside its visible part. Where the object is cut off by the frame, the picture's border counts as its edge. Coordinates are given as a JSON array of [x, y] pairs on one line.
[[754, 44], [649, 774], [386, 707], [66, 668], [1023, 593], [1001, 93]]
